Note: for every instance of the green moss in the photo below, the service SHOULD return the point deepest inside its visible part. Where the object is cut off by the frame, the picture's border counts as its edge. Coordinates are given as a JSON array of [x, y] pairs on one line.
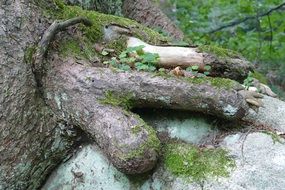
[[196, 164], [29, 52], [82, 47], [119, 44], [99, 20], [219, 52], [260, 77], [77, 47], [215, 82], [151, 143], [124, 101], [136, 129]]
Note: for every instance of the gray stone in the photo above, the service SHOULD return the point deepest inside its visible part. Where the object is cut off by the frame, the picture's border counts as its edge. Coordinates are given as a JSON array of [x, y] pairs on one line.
[[87, 170], [272, 114]]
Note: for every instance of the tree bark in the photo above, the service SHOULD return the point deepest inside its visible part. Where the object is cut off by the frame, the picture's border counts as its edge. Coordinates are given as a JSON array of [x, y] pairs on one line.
[[32, 139], [113, 7], [147, 13]]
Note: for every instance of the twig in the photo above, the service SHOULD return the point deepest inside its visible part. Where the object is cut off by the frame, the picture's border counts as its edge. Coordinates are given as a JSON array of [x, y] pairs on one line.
[[56, 27], [239, 21], [47, 38]]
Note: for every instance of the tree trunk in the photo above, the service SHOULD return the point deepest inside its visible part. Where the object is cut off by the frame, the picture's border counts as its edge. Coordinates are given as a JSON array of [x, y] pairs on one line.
[[48, 103], [32, 140], [147, 13]]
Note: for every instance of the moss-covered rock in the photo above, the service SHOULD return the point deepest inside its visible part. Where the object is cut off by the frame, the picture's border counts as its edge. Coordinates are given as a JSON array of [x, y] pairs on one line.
[[197, 164]]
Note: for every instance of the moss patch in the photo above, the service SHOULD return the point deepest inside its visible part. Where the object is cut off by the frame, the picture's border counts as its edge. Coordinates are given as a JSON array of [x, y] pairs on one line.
[[124, 101], [196, 164], [29, 52], [219, 52], [224, 83], [82, 44], [151, 143], [77, 47], [99, 20], [136, 129]]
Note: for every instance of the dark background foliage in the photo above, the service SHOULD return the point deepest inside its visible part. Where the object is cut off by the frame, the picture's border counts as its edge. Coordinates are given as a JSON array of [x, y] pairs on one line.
[[255, 28]]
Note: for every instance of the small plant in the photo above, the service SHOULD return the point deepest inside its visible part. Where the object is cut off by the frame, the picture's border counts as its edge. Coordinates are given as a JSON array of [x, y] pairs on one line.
[[248, 82], [135, 57], [194, 70]]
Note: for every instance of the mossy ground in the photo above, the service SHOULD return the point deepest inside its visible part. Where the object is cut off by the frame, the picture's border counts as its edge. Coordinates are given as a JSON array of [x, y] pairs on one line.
[[219, 52], [75, 46], [197, 164], [224, 83], [95, 33]]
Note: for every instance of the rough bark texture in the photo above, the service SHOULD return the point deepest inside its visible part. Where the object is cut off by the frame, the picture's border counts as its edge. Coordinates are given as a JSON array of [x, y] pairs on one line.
[[103, 6], [31, 137], [71, 94], [147, 90], [147, 13]]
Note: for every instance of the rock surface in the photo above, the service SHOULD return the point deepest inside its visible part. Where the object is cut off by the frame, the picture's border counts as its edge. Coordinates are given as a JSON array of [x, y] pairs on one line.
[[259, 157], [272, 114]]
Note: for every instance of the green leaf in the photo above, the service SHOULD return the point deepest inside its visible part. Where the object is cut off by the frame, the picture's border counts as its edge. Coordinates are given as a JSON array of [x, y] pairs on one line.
[[195, 67], [207, 67], [104, 52], [125, 67], [123, 55], [189, 69], [206, 73]]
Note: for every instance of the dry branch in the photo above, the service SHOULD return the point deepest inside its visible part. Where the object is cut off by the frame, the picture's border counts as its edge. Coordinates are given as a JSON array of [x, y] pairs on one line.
[[48, 36], [235, 67]]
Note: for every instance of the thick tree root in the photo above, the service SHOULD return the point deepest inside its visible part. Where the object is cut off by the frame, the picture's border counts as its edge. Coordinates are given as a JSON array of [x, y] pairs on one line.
[[82, 94]]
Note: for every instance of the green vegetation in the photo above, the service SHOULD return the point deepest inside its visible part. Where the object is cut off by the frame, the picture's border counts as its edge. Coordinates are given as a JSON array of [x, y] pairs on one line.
[[29, 52], [135, 56], [260, 77], [196, 164], [77, 47], [136, 129], [99, 20], [260, 39], [218, 51], [222, 83], [151, 143], [248, 82], [194, 70], [124, 101]]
